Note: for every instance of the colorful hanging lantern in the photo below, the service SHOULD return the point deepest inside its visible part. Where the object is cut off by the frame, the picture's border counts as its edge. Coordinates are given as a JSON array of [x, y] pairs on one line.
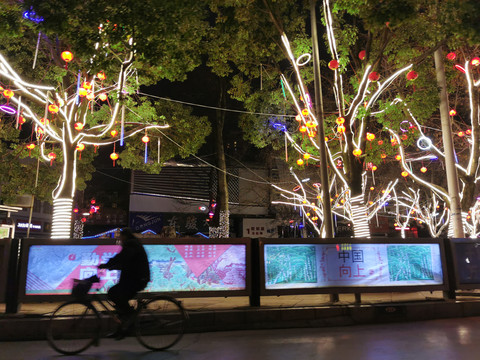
[[21, 121], [468, 132], [82, 92], [310, 124], [67, 56], [305, 112], [114, 133], [86, 85], [404, 137], [398, 157], [370, 136], [333, 65], [374, 168], [372, 188], [412, 75], [114, 157], [423, 169], [461, 134], [90, 96], [53, 109], [383, 156], [101, 76], [145, 139], [340, 120], [404, 174], [30, 147], [298, 118], [8, 93], [299, 162], [78, 126], [341, 129], [102, 96], [80, 147], [475, 61], [303, 129], [373, 76], [306, 156], [380, 142], [52, 156], [357, 152], [452, 112], [312, 134], [362, 55], [451, 56]]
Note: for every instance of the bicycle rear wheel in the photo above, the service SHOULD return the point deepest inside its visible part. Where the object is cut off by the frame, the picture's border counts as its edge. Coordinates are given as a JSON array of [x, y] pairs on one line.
[[73, 327], [160, 323]]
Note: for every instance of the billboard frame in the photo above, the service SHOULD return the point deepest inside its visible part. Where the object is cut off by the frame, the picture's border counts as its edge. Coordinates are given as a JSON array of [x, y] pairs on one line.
[[27, 243], [455, 278], [349, 289], [4, 265]]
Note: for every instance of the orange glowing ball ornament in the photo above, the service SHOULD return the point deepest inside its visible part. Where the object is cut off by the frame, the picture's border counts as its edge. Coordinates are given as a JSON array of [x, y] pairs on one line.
[[114, 156], [300, 162], [114, 133], [80, 147], [423, 169], [404, 174], [53, 109], [370, 136], [357, 152], [340, 120], [333, 65], [102, 96], [67, 56], [78, 126], [306, 156], [8, 93], [452, 112], [101, 76], [145, 139]]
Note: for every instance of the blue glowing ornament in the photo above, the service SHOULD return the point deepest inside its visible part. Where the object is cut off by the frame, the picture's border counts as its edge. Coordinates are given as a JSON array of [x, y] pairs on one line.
[[32, 16]]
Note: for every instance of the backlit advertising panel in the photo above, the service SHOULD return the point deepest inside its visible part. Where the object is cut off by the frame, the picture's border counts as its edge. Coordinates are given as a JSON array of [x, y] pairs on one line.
[[183, 267], [296, 266]]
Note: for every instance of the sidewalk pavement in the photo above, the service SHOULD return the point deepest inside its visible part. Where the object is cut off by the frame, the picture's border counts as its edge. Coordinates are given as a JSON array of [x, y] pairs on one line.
[[234, 313]]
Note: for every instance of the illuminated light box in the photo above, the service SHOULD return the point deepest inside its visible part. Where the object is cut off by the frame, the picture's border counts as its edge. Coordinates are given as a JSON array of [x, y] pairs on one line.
[[180, 268], [352, 265], [466, 260]]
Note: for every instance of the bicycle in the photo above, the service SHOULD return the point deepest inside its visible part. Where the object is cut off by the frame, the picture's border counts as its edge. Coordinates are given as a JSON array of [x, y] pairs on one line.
[[159, 322]]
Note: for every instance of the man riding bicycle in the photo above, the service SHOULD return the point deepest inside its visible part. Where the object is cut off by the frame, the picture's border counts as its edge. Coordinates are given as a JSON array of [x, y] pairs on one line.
[[132, 261]]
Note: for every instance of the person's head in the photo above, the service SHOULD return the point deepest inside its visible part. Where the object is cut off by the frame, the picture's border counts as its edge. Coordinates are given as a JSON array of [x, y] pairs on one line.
[[126, 235]]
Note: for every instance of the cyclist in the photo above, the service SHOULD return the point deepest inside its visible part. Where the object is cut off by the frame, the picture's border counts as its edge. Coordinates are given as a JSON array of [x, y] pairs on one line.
[[132, 261]]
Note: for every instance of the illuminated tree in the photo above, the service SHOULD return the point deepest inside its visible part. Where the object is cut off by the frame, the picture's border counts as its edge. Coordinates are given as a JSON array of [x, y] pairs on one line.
[[69, 120]]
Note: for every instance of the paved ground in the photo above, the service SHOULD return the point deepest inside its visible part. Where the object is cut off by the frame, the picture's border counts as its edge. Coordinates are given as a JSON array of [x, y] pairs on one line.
[[437, 340]]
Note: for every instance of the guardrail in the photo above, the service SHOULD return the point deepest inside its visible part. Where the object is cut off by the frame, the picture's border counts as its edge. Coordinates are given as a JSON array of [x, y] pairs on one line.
[[245, 267]]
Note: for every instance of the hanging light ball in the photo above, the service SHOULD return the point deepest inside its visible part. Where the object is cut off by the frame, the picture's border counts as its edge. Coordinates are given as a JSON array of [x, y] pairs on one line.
[[80, 147], [102, 96], [398, 157], [52, 109], [31, 146], [404, 174], [380, 142], [299, 162], [114, 133], [86, 85], [340, 120], [90, 96], [52, 156], [412, 75], [8, 93], [82, 92], [341, 129], [374, 168], [357, 152], [362, 55], [145, 139], [298, 118], [423, 169], [101, 75], [67, 56], [451, 56], [305, 112], [475, 61], [372, 188], [21, 120], [453, 112], [383, 156], [333, 65], [78, 126], [303, 128], [370, 136], [373, 76], [310, 124], [306, 156], [114, 156], [44, 121]]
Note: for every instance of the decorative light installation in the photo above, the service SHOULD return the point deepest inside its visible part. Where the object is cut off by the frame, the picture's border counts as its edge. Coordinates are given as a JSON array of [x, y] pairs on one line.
[[7, 109], [146, 140], [62, 218]]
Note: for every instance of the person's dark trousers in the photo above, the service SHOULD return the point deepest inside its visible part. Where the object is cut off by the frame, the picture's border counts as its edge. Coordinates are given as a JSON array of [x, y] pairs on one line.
[[120, 294]]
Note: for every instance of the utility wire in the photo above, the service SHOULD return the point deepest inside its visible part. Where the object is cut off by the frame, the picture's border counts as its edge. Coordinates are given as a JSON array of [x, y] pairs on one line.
[[213, 107]]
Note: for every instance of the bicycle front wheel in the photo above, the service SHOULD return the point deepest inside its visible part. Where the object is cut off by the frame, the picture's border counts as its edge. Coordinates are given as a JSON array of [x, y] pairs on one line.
[[73, 327], [160, 323]]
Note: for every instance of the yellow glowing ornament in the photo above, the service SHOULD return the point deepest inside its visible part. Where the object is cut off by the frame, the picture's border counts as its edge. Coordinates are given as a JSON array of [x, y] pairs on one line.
[[102, 96], [404, 174], [299, 162], [370, 136], [82, 92], [423, 169], [306, 156], [357, 152], [305, 112], [341, 129], [340, 120]]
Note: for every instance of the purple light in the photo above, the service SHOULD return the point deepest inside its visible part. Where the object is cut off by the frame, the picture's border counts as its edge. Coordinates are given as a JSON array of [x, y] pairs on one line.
[[7, 109]]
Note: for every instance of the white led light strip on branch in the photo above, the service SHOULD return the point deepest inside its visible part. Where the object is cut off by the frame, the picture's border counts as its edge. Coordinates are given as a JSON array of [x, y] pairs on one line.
[[360, 221], [62, 218]]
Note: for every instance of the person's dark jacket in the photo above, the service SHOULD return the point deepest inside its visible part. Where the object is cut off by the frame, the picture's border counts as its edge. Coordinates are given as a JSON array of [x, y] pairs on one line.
[[132, 261]]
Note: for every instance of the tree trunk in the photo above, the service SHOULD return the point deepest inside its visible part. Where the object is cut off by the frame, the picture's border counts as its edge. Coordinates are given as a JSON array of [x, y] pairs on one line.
[[221, 222], [63, 195]]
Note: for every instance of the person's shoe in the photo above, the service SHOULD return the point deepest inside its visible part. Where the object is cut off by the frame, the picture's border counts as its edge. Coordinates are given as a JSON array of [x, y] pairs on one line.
[[114, 334], [121, 335]]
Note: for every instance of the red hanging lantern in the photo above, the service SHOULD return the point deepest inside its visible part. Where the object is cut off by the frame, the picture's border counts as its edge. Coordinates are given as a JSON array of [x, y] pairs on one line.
[[398, 157], [8, 93], [452, 112], [114, 157], [53, 109], [423, 169], [341, 129], [303, 129], [102, 96], [451, 56], [30, 147], [82, 92], [300, 162], [374, 168], [404, 174], [114, 133], [370, 136], [373, 76], [475, 61], [340, 120], [412, 75], [90, 96], [80, 147], [306, 156], [52, 156], [357, 152], [333, 65], [87, 85], [383, 156], [305, 112], [145, 139], [380, 142], [78, 126], [67, 56], [461, 134], [101, 76], [21, 121], [362, 55]]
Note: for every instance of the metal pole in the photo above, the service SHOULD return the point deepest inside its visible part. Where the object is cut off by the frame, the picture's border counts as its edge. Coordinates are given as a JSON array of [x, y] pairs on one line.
[[33, 198], [452, 177], [327, 210]]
